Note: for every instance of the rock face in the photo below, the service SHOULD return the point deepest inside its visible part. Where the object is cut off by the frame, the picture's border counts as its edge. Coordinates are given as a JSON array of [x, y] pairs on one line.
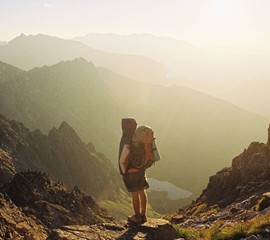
[[235, 194], [62, 154], [248, 175], [42, 198], [34, 207], [31, 204], [14, 224]]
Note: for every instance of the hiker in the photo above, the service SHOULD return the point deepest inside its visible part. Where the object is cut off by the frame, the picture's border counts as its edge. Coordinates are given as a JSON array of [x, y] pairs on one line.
[[133, 178]]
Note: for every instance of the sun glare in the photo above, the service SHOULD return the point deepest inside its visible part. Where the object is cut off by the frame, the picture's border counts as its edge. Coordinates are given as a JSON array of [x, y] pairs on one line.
[[225, 11]]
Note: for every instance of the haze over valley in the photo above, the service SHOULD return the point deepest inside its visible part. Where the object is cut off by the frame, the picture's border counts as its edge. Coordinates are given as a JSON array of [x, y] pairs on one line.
[[92, 100], [220, 72]]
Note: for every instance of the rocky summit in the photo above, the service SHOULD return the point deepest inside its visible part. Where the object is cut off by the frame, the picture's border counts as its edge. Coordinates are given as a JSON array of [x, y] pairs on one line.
[[236, 196]]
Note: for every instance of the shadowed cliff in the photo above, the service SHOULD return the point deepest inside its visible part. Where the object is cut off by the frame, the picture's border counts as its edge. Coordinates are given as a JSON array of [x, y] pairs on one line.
[[62, 154], [236, 202]]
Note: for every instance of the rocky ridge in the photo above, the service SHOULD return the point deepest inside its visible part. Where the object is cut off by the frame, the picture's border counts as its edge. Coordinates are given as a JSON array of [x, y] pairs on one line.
[[62, 154], [236, 194]]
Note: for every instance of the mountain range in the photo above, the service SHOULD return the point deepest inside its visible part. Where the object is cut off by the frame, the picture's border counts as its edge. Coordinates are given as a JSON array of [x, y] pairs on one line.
[[196, 133], [27, 52], [220, 72], [156, 59], [185, 60]]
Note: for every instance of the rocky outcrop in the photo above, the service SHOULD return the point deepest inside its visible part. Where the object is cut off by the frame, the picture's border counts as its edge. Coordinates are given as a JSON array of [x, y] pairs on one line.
[[51, 202], [248, 175], [14, 224], [7, 169], [62, 154], [34, 207], [236, 194]]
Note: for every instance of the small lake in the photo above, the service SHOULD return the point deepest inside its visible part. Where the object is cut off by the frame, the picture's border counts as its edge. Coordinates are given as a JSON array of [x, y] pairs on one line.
[[174, 192]]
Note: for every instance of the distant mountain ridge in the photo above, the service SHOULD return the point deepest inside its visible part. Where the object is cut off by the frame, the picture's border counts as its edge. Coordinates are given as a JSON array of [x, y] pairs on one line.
[[150, 58], [142, 44], [27, 52], [213, 72]]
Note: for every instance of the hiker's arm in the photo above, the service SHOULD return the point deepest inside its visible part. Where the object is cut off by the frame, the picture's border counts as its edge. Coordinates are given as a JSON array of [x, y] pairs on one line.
[[124, 158]]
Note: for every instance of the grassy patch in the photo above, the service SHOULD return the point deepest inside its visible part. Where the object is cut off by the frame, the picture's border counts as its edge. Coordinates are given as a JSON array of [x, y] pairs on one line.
[[197, 209], [123, 207], [263, 203], [188, 233], [210, 211], [223, 231]]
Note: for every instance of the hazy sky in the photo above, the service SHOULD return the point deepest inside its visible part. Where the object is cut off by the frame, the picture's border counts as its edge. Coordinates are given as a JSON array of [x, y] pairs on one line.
[[202, 22]]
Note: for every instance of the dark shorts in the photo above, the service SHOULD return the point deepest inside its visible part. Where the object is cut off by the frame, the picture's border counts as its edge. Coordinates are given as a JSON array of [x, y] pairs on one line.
[[135, 181]]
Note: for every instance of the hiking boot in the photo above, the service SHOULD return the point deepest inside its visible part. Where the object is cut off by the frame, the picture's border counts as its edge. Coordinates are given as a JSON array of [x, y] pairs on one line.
[[143, 218], [135, 219]]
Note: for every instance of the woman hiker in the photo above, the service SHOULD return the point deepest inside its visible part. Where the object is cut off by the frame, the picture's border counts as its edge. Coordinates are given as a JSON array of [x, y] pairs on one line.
[[133, 178]]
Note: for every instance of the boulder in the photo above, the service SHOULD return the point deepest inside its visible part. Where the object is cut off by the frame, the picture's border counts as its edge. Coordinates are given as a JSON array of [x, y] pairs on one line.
[[154, 229]]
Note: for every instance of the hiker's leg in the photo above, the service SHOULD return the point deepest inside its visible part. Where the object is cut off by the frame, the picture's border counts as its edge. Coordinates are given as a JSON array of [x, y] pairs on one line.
[[143, 201], [136, 202]]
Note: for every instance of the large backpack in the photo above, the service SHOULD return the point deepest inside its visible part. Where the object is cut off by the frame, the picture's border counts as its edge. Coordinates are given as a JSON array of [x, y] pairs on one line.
[[144, 152]]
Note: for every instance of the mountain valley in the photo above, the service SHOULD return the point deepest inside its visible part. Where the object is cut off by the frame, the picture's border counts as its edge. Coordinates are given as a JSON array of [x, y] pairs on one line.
[[91, 100]]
